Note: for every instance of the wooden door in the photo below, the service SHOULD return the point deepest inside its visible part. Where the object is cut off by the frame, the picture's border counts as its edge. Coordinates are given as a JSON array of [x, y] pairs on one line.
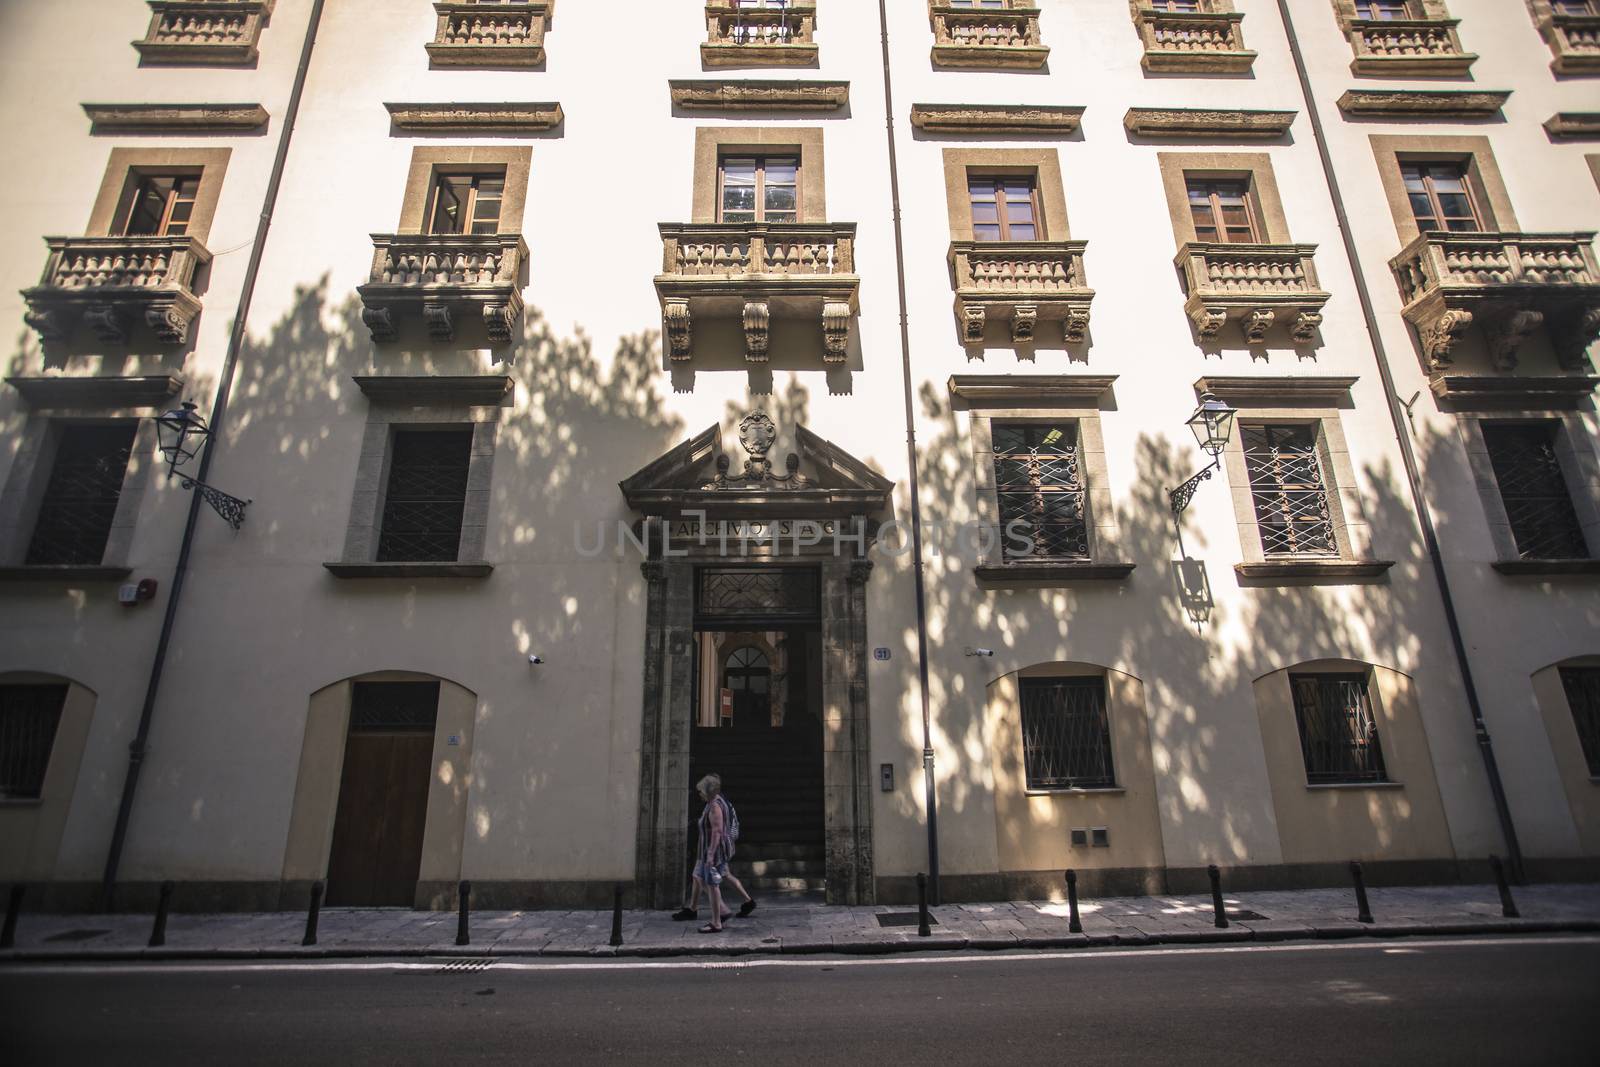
[[383, 799]]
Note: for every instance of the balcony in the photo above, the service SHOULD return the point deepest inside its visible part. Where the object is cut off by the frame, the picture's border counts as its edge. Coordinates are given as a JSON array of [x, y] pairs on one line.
[[1395, 47], [490, 33], [988, 38], [439, 278], [112, 282], [203, 32], [1575, 40], [754, 272], [1253, 285], [1511, 284], [1194, 42], [760, 37], [1020, 282]]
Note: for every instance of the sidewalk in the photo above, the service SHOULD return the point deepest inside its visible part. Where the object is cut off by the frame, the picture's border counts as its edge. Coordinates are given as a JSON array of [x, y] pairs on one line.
[[788, 926]]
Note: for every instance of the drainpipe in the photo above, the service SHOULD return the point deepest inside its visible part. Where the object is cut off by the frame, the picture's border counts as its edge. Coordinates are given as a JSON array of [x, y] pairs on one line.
[[219, 409], [911, 458], [1480, 729]]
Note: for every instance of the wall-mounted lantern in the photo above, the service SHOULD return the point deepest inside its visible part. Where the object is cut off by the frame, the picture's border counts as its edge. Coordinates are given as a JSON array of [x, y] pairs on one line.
[[181, 434], [1212, 423]]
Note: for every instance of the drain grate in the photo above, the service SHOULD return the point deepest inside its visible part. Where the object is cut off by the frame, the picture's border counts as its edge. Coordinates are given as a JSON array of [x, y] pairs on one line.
[[903, 918], [465, 966], [77, 935]]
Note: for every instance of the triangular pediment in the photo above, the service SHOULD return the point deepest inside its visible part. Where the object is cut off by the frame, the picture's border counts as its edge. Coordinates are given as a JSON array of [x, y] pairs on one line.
[[818, 478]]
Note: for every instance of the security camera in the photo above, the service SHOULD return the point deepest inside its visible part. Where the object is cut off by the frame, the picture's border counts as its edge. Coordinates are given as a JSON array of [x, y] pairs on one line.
[[980, 651], [535, 660]]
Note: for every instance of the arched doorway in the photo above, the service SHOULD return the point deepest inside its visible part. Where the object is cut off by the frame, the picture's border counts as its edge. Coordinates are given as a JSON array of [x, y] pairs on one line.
[[747, 676]]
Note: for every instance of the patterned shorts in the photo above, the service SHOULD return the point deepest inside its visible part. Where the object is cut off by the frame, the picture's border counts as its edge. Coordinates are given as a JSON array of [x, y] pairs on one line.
[[711, 875]]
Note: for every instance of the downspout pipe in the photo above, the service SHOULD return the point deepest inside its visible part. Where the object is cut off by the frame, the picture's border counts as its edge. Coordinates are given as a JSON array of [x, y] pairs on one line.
[[219, 410], [1408, 457], [911, 460]]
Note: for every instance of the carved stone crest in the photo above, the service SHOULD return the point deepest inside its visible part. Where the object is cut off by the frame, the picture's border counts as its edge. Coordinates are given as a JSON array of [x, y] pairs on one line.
[[757, 432]]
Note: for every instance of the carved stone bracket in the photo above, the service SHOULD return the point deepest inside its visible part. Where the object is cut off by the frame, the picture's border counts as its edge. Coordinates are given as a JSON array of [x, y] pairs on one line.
[[1305, 325], [1208, 321], [169, 323], [1023, 319], [860, 572], [52, 324], [437, 319], [1256, 324], [499, 322], [1440, 335], [1075, 327], [108, 323], [380, 321], [1572, 332], [974, 317], [835, 331], [675, 317], [1506, 332], [757, 321]]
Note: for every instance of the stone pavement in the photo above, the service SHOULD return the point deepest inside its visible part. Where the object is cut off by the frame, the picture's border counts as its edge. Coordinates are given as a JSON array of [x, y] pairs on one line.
[[787, 925]]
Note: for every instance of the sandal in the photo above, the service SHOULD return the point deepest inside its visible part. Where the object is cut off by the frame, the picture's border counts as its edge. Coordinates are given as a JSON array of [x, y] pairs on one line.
[[683, 914], [709, 929], [747, 907]]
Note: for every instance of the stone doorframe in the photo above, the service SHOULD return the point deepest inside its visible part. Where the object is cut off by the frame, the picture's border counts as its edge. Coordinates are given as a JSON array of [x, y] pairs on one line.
[[662, 861]]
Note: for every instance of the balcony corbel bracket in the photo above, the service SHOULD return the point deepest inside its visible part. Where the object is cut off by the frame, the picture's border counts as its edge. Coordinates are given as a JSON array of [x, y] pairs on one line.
[[51, 324], [1305, 326], [1023, 319], [974, 317], [500, 321], [675, 322], [380, 322], [107, 322], [1572, 333], [757, 327], [1075, 327], [1256, 324], [835, 331], [1440, 334], [440, 325], [1506, 332], [1208, 321]]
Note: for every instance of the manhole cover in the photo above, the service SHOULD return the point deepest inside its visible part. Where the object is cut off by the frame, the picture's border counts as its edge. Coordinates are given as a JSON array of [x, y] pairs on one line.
[[1247, 916], [77, 935], [903, 918], [463, 966]]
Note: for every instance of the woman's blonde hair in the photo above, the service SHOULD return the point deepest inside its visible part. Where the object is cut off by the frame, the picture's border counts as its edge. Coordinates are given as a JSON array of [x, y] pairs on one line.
[[709, 786]]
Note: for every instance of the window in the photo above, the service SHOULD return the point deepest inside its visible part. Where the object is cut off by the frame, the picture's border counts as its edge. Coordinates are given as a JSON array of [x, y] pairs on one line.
[[80, 499], [1003, 209], [1583, 697], [759, 189], [467, 203], [1338, 734], [1040, 489], [1286, 485], [1383, 10], [1574, 7], [29, 715], [977, 3], [426, 495], [762, 32], [1440, 198], [1180, 6], [1533, 489], [1222, 211], [1066, 733], [160, 205]]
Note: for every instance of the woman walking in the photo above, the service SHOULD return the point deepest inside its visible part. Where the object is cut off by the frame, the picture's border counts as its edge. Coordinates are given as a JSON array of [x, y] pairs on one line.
[[715, 850]]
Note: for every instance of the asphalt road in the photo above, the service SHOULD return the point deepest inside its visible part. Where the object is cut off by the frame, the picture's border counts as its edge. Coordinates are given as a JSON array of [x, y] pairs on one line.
[[1517, 1001]]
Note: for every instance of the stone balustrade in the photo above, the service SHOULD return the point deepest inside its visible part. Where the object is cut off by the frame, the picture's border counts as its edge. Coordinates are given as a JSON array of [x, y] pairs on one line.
[[1510, 283], [1575, 41], [1408, 46], [1020, 282], [442, 276], [753, 272], [204, 32], [759, 37], [1253, 284], [490, 33], [109, 283], [1193, 41], [987, 37]]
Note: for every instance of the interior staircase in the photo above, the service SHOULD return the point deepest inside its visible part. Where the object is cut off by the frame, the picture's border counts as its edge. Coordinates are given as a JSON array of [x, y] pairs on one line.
[[773, 778]]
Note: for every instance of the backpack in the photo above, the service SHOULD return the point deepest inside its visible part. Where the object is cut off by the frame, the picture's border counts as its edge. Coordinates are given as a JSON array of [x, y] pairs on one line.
[[733, 821]]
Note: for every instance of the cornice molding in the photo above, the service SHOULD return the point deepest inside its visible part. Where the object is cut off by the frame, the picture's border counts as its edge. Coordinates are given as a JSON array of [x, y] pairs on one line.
[[1573, 125], [1424, 103], [189, 118], [1029, 390], [724, 94], [1524, 392], [498, 117], [996, 118], [474, 390], [1207, 123], [59, 391], [1319, 389]]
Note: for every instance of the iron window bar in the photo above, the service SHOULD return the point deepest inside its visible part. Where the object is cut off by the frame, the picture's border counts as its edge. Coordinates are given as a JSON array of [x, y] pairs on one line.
[[1066, 734], [80, 499], [1538, 505], [1582, 685], [426, 496], [1288, 491], [1039, 485], [29, 717], [1338, 733]]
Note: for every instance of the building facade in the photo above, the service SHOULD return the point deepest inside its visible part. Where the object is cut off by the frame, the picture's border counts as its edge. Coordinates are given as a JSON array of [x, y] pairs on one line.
[[566, 364]]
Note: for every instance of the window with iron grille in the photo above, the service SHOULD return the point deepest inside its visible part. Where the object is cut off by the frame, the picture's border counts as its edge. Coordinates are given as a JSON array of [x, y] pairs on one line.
[[1287, 487], [1338, 734], [80, 499], [1066, 734], [426, 495], [1038, 480], [1583, 697], [29, 715], [1537, 502], [388, 707]]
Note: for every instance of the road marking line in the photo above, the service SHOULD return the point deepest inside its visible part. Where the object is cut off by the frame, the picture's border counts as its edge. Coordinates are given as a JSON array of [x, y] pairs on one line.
[[504, 963]]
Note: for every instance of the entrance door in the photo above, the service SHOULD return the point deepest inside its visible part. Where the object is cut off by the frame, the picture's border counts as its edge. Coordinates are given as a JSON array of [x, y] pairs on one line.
[[748, 676], [383, 795]]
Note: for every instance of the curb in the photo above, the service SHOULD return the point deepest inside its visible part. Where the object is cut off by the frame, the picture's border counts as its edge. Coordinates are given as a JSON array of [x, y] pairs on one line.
[[1124, 938]]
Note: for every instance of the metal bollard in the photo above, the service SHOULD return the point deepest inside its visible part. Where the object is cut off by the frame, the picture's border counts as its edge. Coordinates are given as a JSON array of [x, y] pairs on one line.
[[922, 907], [158, 933], [616, 916], [1216, 896], [1508, 907], [1363, 910], [8, 933], [312, 913], [1073, 925], [463, 894]]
